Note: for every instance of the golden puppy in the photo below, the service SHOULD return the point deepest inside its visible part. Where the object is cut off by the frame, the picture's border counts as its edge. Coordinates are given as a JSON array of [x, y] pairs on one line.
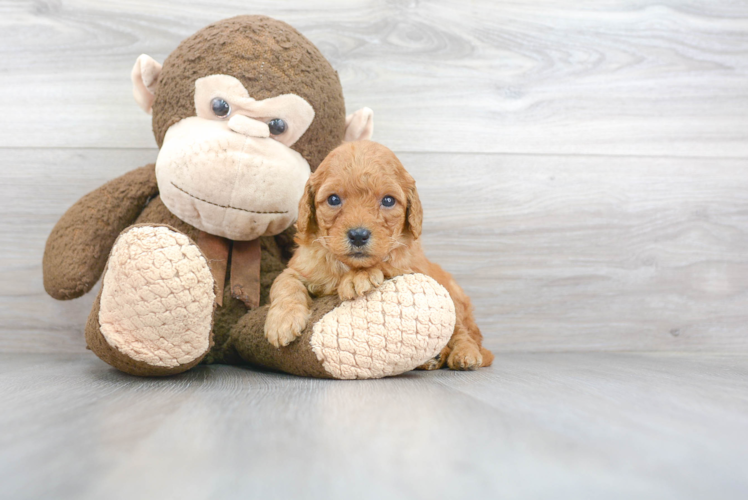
[[359, 224]]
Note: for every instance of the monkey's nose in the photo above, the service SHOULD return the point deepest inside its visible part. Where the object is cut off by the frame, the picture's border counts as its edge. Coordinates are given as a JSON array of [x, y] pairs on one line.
[[250, 127], [359, 236]]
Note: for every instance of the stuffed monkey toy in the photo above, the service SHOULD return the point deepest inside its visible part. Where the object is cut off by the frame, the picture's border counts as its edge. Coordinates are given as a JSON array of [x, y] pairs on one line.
[[243, 111]]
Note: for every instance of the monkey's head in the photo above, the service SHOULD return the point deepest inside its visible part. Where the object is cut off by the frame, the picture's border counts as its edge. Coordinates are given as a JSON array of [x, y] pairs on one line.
[[243, 111]]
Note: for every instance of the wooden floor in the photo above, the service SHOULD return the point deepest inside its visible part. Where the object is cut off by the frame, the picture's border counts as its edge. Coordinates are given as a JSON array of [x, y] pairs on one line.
[[583, 167], [536, 425]]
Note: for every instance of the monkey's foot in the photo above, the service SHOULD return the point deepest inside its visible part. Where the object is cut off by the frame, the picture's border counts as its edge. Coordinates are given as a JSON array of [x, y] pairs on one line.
[[393, 329], [156, 305]]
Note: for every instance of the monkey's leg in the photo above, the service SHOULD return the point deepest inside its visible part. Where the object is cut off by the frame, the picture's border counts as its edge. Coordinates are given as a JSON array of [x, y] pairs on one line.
[[154, 313], [388, 331]]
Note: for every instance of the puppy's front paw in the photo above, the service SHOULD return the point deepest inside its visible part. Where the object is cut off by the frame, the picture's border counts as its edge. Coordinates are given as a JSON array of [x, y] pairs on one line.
[[346, 288], [465, 356], [367, 280], [358, 283], [282, 326]]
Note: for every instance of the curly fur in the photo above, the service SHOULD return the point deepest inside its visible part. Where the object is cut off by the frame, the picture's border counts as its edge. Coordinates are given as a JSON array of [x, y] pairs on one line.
[[361, 174]]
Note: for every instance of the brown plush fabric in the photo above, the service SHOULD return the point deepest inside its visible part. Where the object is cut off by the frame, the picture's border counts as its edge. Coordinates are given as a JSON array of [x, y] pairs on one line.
[[245, 272], [226, 316], [270, 58], [296, 358], [79, 245], [247, 328], [157, 213]]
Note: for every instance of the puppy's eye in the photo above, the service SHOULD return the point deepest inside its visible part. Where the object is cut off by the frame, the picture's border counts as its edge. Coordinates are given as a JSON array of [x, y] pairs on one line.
[[333, 200], [388, 201], [220, 107], [277, 126]]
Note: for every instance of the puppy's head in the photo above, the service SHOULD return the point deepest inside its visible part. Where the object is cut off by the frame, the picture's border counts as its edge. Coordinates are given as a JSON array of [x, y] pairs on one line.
[[360, 204]]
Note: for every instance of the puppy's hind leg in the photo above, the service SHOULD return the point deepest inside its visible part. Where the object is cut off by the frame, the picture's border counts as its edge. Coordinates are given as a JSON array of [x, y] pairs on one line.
[[466, 353], [466, 357], [289, 309], [487, 356], [468, 322], [437, 362]]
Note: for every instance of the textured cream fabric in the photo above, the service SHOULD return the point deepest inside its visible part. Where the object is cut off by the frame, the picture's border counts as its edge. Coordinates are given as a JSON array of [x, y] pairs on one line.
[[157, 297], [229, 184], [383, 333], [249, 126], [359, 126], [294, 110], [144, 76]]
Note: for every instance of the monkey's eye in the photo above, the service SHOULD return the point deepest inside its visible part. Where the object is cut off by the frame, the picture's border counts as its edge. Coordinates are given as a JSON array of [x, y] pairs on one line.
[[220, 107], [388, 201], [277, 126], [334, 200]]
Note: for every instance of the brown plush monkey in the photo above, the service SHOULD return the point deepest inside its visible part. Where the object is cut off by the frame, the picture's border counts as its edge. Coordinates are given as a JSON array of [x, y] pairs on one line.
[[243, 111]]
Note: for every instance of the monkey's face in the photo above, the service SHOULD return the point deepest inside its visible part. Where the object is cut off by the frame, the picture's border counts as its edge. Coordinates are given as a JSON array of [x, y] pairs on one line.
[[230, 170], [241, 110]]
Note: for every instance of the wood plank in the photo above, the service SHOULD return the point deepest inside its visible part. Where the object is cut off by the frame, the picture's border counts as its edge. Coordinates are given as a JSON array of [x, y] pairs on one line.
[[593, 253], [36, 188], [558, 253], [624, 77], [595, 425]]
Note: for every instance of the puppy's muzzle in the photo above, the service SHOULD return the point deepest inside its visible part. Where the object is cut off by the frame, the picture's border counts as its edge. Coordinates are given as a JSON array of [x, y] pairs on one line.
[[359, 237]]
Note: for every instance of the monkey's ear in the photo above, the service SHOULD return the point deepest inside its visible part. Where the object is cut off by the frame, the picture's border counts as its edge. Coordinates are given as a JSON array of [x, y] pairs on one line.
[[359, 125], [144, 78], [307, 222], [414, 214]]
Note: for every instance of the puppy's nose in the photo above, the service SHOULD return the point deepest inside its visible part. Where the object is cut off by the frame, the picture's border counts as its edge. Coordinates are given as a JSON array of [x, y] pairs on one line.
[[359, 236]]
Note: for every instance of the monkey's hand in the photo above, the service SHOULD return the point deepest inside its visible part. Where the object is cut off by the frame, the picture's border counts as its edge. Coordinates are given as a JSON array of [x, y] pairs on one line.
[[357, 282], [79, 245], [289, 309]]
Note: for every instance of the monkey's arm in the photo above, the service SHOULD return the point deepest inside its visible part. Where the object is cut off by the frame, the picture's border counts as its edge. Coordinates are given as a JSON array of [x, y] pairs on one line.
[[79, 245]]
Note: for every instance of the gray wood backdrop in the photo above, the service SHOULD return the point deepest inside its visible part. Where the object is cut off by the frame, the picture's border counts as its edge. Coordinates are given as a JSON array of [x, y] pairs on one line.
[[582, 163]]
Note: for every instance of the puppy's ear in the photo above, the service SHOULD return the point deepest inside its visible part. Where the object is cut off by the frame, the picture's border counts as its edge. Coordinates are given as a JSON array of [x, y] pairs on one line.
[[414, 214], [307, 222]]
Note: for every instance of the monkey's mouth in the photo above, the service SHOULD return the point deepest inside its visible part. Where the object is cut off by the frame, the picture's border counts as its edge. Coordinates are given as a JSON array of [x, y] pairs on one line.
[[226, 206]]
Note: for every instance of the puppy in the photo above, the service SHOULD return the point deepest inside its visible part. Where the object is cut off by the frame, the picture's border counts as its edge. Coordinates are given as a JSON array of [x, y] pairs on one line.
[[359, 224]]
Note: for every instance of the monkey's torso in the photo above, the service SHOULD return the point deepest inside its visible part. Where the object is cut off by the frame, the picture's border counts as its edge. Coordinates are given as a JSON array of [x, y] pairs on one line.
[[274, 258]]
